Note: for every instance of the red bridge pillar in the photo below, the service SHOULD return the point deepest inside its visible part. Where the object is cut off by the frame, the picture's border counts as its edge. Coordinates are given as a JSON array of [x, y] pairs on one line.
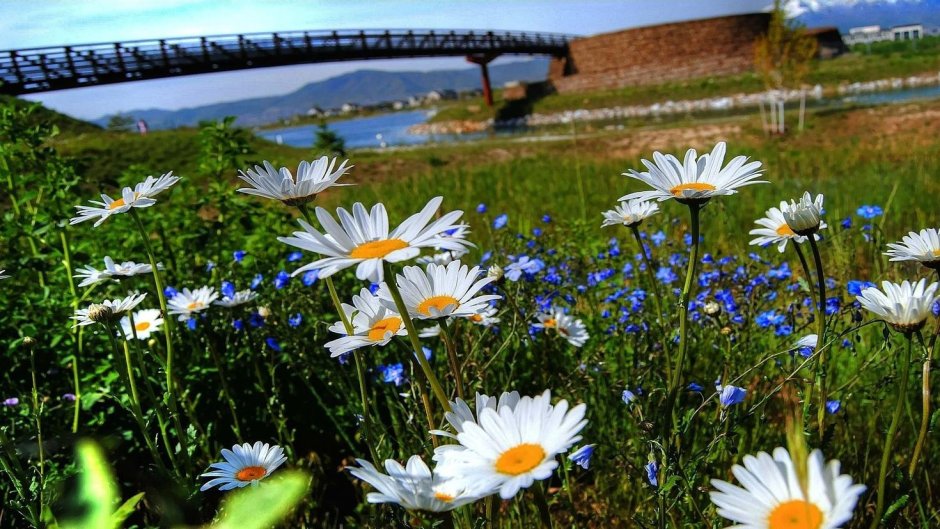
[[483, 59]]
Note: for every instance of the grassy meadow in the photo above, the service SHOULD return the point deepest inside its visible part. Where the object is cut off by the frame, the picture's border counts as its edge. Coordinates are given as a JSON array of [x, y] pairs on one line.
[[260, 371]]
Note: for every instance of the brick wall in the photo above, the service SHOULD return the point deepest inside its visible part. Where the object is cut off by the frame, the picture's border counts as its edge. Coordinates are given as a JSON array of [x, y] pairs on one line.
[[654, 54]]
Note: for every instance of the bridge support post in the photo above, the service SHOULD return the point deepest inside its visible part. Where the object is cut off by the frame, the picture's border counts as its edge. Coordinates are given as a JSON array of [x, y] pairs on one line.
[[483, 59]]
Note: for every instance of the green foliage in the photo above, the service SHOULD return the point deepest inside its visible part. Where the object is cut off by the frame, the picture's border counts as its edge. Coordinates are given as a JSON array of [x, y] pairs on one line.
[[328, 142], [223, 147], [120, 123], [97, 497], [263, 506], [785, 54]]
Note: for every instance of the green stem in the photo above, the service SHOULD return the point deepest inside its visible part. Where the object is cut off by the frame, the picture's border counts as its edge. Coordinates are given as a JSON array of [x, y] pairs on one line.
[[925, 403], [452, 356], [820, 337], [390, 280], [892, 430], [357, 356], [651, 276], [168, 338], [223, 379], [803, 264], [544, 514], [37, 415], [78, 394], [694, 210]]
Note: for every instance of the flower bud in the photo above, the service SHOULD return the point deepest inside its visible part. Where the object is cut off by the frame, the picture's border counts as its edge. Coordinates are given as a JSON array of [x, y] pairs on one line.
[[495, 272], [712, 308], [100, 313], [803, 216]]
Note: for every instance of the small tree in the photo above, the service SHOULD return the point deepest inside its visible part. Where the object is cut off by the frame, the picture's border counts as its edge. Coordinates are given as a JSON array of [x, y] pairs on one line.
[[783, 58], [328, 141], [120, 123], [223, 146]]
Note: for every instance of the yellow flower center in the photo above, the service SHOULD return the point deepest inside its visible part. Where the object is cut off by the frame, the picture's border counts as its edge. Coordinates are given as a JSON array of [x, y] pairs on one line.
[[437, 302], [120, 202], [142, 326], [785, 230], [391, 324], [936, 253], [446, 498], [693, 186], [377, 249], [195, 305], [550, 323], [795, 514], [520, 459], [250, 473], [476, 318]]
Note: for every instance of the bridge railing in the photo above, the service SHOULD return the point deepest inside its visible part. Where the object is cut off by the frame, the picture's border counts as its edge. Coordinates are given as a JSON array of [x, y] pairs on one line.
[[40, 69]]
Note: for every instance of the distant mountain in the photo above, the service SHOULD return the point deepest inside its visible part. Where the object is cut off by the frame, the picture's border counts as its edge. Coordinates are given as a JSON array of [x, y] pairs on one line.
[[359, 87], [846, 14]]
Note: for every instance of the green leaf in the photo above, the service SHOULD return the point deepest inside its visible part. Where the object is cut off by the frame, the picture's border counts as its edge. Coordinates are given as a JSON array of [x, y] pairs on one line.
[[97, 493], [260, 507], [126, 509]]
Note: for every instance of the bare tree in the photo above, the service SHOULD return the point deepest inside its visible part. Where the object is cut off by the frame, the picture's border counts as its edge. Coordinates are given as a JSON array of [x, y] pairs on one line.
[[783, 57]]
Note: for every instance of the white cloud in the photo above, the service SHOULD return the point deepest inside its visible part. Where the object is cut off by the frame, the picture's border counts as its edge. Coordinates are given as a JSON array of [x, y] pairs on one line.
[[795, 8]]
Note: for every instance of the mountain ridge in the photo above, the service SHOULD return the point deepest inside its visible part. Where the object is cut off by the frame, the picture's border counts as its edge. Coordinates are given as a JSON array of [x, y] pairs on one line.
[[359, 87]]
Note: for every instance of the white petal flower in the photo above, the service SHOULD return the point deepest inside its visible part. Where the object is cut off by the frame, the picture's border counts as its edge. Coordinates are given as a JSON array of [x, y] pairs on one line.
[[461, 412], [414, 487], [803, 217], [189, 302], [146, 322], [141, 196], [240, 298], [568, 327], [3, 276], [905, 306], [373, 324], [697, 178], [773, 498], [440, 292], [923, 247], [107, 310], [630, 213], [510, 449], [775, 230], [809, 340], [362, 238], [280, 184], [244, 465]]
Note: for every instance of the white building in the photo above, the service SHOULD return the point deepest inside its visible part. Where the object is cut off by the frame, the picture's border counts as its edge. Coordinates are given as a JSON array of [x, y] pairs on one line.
[[907, 32], [869, 34], [349, 108]]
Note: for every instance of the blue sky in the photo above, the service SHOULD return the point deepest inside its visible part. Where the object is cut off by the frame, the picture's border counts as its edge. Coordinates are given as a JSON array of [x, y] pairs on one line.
[[31, 23]]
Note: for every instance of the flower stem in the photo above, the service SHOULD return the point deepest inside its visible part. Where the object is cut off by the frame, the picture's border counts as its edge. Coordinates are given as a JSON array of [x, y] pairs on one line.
[[390, 280], [803, 264], [542, 502], [892, 430], [168, 338], [357, 357], [820, 337], [694, 210], [925, 403], [652, 278], [37, 416], [452, 356]]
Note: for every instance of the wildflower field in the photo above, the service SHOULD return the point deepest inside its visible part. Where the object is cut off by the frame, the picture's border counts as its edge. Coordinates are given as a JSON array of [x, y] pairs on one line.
[[652, 329]]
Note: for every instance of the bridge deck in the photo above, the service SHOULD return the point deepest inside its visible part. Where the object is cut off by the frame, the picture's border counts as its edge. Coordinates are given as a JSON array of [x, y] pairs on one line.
[[56, 68]]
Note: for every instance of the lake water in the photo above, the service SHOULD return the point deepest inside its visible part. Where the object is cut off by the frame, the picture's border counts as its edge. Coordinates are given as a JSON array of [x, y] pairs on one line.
[[392, 129], [364, 132]]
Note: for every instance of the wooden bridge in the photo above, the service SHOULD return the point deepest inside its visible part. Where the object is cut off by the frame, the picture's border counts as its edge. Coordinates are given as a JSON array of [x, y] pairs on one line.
[[62, 67]]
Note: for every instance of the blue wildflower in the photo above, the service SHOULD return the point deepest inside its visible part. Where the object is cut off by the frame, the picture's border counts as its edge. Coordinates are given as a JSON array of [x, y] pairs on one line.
[[481, 208], [855, 288], [238, 255], [665, 275], [191, 324], [310, 277], [170, 292], [393, 374], [255, 320], [228, 289], [546, 218], [731, 395], [582, 456], [658, 238], [294, 256], [833, 406], [256, 281], [869, 212], [627, 396], [500, 221], [652, 473], [295, 320], [272, 343], [281, 280], [846, 223], [427, 352], [210, 265], [238, 324], [693, 386]]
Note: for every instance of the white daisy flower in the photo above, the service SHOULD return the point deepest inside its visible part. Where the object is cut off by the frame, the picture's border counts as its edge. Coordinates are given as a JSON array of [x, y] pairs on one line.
[[430, 332], [442, 258], [441, 291], [568, 327], [364, 239], [189, 302], [775, 230], [905, 307], [372, 322], [244, 465], [90, 275], [141, 196], [240, 298], [772, 497], [923, 247], [413, 486], [127, 268], [280, 184], [803, 217], [106, 311], [510, 449], [486, 318], [809, 341], [3, 276], [630, 213], [146, 322], [696, 179]]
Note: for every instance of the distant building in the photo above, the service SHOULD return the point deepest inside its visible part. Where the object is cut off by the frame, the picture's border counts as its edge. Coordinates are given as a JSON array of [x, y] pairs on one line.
[[315, 112], [439, 95], [864, 35], [398, 105], [349, 108], [907, 32], [415, 101], [515, 90]]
